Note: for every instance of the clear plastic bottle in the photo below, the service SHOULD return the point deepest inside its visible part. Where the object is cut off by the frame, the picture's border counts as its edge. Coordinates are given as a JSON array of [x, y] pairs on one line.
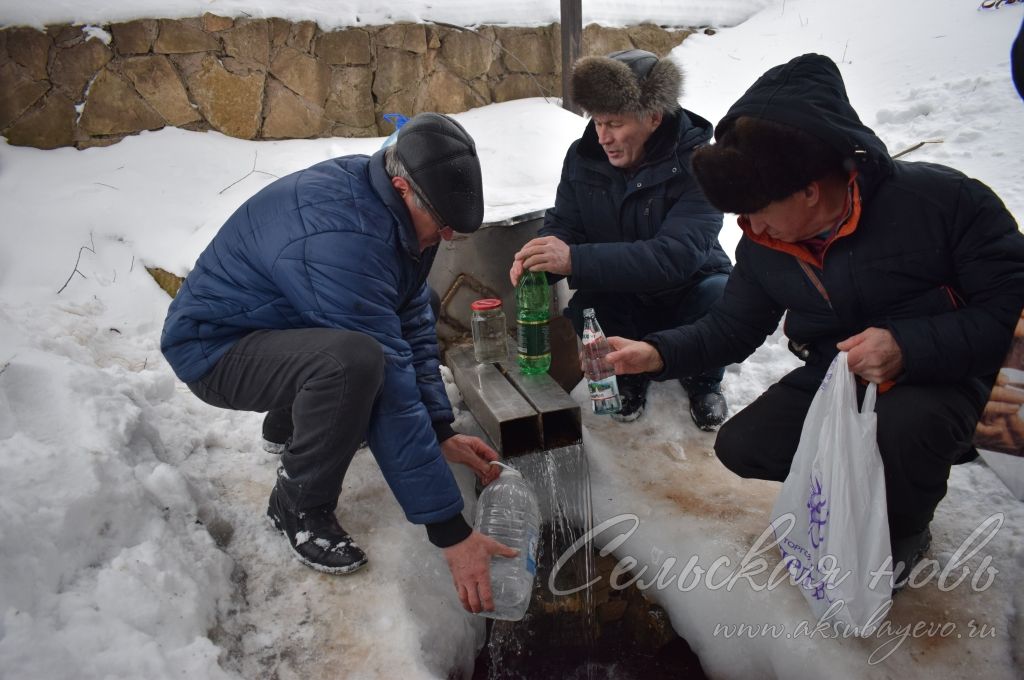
[[533, 311], [507, 512], [604, 388]]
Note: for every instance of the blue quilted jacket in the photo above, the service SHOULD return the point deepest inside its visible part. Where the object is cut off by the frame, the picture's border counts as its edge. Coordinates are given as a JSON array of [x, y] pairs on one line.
[[331, 246]]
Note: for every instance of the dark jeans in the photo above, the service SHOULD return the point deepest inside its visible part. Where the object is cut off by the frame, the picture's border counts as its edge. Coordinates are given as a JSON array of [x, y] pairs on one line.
[[633, 316], [922, 431], [326, 379]]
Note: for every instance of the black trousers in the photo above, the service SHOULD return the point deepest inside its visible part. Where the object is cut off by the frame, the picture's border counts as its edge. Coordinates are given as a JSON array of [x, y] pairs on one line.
[[325, 381], [630, 315], [922, 431]]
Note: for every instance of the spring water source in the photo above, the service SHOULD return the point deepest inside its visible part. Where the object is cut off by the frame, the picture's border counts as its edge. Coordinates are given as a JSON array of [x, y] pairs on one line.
[[557, 636], [561, 635]]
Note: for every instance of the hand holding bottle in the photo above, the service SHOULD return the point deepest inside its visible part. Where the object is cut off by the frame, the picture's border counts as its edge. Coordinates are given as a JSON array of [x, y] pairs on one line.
[[543, 254], [469, 562], [633, 356]]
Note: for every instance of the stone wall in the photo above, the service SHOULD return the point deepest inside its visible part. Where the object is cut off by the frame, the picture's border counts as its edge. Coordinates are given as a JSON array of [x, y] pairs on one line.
[[271, 78]]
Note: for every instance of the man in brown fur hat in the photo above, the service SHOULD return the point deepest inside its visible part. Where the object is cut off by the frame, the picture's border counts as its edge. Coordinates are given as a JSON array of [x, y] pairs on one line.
[[630, 227]]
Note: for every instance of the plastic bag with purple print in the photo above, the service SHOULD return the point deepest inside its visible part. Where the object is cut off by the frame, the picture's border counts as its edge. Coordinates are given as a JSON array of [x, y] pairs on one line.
[[837, 547]]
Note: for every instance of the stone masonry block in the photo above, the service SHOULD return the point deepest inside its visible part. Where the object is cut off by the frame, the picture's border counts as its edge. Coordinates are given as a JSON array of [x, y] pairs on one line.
[[302, 74], [350, 47], [231, 103], [114, 107], [48, 126], [134, 37], [156, 80], [178, 37], [31, 49], [74, 66]]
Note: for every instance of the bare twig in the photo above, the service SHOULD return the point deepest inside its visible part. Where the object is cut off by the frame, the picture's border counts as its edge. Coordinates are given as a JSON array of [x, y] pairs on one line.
[[107, 185], [845, 47], [255, 155], [92, 249], [917, 146], [131, 268], [6, 364]]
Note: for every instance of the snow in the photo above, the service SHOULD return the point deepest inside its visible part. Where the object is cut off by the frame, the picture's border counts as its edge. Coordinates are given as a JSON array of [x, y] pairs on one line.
[[332, 14], [133, 540]]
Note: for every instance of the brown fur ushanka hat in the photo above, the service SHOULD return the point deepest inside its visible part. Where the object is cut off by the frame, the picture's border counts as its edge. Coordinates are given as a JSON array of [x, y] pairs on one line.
[[757, 162], [630, 81]]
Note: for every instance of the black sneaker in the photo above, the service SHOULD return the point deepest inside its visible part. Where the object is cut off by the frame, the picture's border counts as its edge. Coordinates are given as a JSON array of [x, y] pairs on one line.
[[277, 431], [906, 553], [632, 396], [707, 404], [316, 538]]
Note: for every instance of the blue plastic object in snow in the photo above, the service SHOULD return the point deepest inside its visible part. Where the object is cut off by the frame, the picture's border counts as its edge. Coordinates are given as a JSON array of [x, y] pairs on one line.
[[398, 120]]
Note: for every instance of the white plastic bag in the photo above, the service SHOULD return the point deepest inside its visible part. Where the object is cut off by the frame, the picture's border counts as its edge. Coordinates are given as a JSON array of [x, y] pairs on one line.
[[838, 545]]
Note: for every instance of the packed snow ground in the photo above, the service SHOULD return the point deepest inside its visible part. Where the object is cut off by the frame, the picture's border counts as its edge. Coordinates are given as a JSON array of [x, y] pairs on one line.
[[132, 536]]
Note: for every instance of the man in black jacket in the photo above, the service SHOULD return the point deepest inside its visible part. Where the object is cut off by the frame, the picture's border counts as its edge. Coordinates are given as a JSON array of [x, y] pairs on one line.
[[630, 227], [914, 269]]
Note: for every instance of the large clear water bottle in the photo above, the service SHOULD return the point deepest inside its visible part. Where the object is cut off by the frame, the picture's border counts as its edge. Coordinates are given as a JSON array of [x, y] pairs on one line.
[[507, 512]]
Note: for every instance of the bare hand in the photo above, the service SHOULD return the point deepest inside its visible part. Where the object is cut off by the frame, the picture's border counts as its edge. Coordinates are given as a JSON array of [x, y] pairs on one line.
[[474, 454], [873, 355], [1001, 427], [544, 254], [470, 564], [633, 356]]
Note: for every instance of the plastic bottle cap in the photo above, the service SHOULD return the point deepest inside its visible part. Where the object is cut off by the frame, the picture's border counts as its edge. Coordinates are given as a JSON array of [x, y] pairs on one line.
[[486, 303]]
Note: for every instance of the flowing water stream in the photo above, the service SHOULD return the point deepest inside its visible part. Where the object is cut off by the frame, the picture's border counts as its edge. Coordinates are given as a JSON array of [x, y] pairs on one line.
[[561, 635]]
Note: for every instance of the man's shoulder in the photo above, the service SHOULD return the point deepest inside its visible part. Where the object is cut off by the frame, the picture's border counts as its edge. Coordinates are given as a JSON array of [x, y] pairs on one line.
[[921, 182], [344, 173]]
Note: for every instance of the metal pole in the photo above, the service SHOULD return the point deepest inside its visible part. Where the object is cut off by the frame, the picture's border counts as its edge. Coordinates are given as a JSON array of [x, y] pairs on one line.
[[572, 31]]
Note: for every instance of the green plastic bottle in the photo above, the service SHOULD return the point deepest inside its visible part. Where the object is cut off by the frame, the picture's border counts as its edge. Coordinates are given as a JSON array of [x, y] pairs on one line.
[[533, 310]]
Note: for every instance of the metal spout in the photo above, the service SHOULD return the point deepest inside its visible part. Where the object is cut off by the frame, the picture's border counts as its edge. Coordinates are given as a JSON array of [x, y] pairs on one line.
[[520, 413]]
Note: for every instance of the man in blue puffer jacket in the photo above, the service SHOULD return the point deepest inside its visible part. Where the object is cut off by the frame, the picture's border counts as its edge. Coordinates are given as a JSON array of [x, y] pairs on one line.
[[312, 301]]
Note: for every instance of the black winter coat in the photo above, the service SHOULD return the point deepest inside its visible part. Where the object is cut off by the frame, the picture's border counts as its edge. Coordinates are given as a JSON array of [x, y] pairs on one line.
[[650, 232], [935, 257]]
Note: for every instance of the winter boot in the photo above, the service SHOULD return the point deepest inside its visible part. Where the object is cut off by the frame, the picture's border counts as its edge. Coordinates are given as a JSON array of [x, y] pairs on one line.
[[632, 396], [707, 403], [906, 553], [316, 538]]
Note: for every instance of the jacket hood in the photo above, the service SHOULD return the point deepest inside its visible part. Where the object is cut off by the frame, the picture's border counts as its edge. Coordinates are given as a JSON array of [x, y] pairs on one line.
[[808, 93]]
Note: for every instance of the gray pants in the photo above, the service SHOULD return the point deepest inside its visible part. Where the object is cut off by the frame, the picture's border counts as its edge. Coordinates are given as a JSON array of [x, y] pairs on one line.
[[329, 380]]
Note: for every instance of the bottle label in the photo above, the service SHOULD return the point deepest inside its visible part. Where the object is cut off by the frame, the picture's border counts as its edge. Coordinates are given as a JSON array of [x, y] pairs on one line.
[[534, 338], [603, 390], [531, 553]]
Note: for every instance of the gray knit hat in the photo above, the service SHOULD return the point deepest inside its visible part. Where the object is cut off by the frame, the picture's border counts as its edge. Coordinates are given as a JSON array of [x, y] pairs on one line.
[[630, 81]]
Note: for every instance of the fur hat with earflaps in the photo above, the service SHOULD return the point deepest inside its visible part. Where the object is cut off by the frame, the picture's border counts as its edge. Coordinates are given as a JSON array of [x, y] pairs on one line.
[[630, 81], [757, 162]]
